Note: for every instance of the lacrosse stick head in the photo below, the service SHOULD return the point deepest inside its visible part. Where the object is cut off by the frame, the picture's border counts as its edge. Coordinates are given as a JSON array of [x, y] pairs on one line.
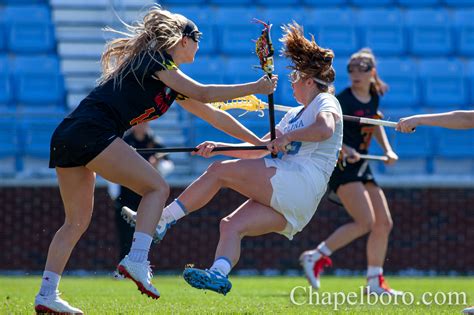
[[249, 103], [264, 48]]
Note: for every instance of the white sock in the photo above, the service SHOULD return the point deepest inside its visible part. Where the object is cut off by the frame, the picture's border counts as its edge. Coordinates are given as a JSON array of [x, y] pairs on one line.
[[324, 249], [140, 247], [174, 211], [222, 265], [49, 283], [373, 271]]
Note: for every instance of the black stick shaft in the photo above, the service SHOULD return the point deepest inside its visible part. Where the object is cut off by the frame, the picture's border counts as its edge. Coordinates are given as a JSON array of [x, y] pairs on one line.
[[189, 149], [271, 115]]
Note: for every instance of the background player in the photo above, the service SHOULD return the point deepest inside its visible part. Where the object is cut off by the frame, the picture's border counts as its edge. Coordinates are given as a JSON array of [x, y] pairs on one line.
[[354, 183]]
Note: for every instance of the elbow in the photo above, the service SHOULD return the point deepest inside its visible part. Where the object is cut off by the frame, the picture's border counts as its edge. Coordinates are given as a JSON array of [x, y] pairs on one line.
[[207, 97], [203, 95], [326, 134]]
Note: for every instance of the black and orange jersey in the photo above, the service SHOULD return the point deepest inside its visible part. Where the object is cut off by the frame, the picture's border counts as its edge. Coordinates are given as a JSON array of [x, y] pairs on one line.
[[138, 97], [358, 136]]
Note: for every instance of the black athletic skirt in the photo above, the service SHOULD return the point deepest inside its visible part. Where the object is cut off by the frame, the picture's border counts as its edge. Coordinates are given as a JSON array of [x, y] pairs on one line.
[[357, 172], [80, 138]]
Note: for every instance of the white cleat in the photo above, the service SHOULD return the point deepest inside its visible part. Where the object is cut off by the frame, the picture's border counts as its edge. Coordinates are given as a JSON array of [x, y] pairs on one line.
[[141, 274], [131, 217], [469, 310], [117, 276], [313, 263], [53, 304], [378, 285]]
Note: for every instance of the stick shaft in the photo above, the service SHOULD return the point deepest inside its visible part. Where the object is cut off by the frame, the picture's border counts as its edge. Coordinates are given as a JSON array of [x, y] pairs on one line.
[[271, 115], [374, 157], [282, 108], [191, 149], [370, 121], [360, 120]]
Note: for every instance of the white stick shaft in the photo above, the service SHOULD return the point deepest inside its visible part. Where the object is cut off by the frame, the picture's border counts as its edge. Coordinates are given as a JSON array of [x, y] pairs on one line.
[[377, 122], [360, 120], [373, 157], [282, 108]]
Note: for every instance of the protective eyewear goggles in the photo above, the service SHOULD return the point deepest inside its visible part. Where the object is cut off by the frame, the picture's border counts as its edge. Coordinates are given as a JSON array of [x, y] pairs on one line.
[[194, 35], [359, 66], [294, 76]]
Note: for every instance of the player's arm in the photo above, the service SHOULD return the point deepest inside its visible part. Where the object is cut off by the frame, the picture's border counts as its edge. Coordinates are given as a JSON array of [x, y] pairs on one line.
[[320, 130], [220, 120], [350, 154], [459, 119], [207, 93], [381, 137], [205, 149]]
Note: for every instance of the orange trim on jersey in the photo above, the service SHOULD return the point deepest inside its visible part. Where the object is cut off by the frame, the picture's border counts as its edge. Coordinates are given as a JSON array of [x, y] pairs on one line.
[[366, 132], [144, 117]]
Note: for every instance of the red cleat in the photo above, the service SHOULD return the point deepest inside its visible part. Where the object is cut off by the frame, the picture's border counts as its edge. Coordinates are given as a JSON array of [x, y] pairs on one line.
[[313, 263]]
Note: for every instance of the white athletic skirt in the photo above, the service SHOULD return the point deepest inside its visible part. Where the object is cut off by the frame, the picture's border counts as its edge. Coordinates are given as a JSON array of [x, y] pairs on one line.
[[296, 193]]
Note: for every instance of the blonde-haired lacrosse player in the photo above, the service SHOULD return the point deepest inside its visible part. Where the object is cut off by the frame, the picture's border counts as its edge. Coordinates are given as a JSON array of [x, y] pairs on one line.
[[140, 81], [283, 193], [458, 119], [354, 183]]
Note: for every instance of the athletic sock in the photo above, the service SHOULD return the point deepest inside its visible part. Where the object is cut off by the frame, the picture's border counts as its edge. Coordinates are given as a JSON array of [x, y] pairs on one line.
[[49, 283], [324, 249], [174, 211], [372, 274], [222, 265], [140, 247]]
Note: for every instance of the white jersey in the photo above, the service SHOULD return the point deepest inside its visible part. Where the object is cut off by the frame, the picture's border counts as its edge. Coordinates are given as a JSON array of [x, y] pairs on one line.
[[320, 155]]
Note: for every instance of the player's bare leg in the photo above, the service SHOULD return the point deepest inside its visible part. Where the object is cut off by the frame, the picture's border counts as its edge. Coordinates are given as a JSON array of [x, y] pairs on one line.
[[250, 219], [76, 186], [234, 174], [357, 202]]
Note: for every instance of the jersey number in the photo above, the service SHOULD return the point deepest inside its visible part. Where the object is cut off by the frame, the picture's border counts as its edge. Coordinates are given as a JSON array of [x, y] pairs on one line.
[[367, 136], [294, 147]]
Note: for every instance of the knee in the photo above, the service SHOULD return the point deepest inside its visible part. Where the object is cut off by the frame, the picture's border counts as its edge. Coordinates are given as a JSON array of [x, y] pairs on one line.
[[227, 227], [77, 227], [164, 191], [220, 170], [216, 170], [158, 187], [366, 224], [383, 226]]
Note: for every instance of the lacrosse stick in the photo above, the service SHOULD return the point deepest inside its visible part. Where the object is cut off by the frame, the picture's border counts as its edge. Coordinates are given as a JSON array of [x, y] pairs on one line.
[[249, 103], [366, 157], [191, 149], [373, 157], [252, 104], [264, 50], [370, 121]]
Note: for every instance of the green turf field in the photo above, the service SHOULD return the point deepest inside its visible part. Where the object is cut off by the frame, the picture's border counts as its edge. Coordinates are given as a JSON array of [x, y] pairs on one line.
[[249, 295]]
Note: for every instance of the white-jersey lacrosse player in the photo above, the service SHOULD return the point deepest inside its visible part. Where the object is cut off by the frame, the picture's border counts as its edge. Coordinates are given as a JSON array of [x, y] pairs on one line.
[[283, 193]]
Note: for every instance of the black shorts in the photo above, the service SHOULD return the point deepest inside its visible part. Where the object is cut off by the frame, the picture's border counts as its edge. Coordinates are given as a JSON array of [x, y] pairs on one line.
[[78, 140], [357, 172]]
